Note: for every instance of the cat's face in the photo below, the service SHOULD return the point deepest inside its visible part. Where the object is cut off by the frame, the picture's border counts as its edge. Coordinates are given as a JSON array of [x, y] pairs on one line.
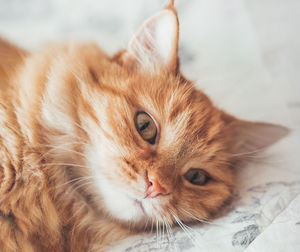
[[158, 152]]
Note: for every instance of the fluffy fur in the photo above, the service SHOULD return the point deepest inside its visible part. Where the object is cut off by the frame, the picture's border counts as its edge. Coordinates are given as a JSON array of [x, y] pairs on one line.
[[73, 168]]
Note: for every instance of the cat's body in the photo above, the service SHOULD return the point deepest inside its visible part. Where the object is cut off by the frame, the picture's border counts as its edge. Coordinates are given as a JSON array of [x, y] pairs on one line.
[[75, 172], [38, 209]]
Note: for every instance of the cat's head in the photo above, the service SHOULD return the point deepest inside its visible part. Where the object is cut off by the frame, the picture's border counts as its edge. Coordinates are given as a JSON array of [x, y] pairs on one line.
[[163, 152], [155, 147]]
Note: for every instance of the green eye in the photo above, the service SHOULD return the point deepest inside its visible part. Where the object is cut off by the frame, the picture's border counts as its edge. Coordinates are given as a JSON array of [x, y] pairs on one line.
[[146, 126], [196, 176]]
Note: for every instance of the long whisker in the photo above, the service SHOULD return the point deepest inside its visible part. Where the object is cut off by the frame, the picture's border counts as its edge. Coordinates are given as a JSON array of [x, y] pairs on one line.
[[156, 233], [67, 164], [76, 180], [81, 185], [201, 220], [186, 229], [81, 142], [163, 230], [247, 154], [146, 223], [171, 233], [65, 149], [167, 230], [211, 223], [151, 225], [55, 148], [72, 151]]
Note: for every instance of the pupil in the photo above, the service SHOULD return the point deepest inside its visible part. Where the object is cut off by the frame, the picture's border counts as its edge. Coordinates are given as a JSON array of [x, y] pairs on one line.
[[194, 177], [144, 126]]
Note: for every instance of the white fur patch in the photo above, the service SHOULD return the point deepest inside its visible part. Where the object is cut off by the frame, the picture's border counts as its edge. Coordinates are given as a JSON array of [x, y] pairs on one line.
[[118, 203]]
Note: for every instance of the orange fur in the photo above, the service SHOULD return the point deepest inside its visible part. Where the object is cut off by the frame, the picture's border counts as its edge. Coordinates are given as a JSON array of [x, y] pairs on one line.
[[66, 117]]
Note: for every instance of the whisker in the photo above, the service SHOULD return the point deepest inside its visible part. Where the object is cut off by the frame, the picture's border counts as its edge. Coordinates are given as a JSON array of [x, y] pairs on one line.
[[146, 223], [84, 184], [167, 231], [68, 143], [186, 229], [151, 225], [171, 233], [201, 220], [248, 153], [160, 238], [72, 180], [156, 233], [61, 148], [163, 230], [42, 156], [67, 164]]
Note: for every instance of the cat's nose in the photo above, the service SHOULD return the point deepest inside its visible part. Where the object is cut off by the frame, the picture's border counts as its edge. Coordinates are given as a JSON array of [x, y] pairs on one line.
[[155, 188]]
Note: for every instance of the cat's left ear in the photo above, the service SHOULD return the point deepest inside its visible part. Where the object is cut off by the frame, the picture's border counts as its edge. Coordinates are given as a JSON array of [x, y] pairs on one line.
[[252, 137], [155, 45]]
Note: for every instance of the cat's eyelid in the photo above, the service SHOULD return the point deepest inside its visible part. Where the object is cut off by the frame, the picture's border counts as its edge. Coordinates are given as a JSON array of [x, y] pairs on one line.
[[196, 162]]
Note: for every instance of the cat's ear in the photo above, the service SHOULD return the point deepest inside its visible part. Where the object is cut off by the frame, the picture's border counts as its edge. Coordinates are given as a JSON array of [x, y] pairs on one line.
[[252, 137], [155, 44]]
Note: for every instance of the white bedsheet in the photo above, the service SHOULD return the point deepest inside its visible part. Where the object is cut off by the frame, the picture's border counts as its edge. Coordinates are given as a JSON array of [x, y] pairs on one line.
[[245, 54]]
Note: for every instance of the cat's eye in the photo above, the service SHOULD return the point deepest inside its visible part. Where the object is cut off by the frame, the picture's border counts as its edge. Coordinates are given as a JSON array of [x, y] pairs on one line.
[[146, 126], [196, 176]]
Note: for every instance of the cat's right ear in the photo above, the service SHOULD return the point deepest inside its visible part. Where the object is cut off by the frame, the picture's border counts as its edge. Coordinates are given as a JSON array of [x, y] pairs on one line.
[[155, 45], [251, 137]]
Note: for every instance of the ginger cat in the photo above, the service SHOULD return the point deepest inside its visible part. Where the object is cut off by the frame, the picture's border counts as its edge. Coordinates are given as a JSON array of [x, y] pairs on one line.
[[94, 148]]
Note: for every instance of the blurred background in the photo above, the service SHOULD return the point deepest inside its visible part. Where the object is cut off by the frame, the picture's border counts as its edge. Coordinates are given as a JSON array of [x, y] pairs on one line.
[[244, 53]]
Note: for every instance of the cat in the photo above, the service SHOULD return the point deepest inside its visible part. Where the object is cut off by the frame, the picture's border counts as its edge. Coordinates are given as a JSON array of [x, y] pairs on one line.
[[95, 148]]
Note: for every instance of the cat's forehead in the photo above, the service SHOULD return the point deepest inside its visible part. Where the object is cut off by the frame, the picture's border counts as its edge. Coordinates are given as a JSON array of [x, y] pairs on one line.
[[181, 112], [171, 100]]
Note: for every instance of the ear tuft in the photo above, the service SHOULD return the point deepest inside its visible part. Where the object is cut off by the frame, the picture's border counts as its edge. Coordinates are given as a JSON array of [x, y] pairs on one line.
[[155, 44]]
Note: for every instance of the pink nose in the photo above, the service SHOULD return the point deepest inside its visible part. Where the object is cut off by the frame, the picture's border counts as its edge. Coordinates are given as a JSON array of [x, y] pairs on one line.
[[155, 188]]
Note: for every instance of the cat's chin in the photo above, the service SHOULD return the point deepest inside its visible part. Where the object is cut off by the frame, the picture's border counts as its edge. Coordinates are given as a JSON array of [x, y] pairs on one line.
[[127, 209], [137, 213]]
